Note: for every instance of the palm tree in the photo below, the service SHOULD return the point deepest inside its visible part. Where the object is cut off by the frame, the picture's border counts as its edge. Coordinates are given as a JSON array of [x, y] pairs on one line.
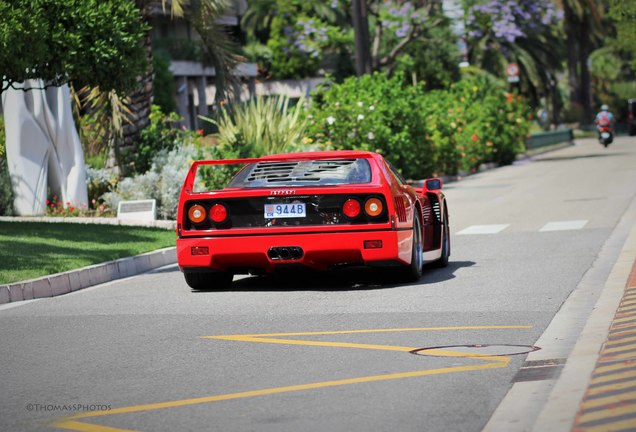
[[583, 28], [203, 15]]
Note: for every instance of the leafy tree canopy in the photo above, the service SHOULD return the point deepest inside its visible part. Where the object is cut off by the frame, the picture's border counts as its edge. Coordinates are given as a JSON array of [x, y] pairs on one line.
[[89, 42]]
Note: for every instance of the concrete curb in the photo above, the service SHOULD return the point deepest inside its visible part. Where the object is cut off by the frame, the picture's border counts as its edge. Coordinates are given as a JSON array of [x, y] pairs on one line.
[[164, 224], [74, 280]]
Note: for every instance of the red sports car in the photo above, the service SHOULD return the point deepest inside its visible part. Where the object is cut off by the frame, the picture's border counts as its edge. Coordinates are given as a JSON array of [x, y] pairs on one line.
[[319, 210]]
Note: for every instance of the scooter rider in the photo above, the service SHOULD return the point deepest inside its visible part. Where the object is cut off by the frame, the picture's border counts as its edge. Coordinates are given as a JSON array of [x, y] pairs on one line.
[[605, 119]]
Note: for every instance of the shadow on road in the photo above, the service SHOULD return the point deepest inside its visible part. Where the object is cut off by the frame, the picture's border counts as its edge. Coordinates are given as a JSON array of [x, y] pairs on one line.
[[350, 279]]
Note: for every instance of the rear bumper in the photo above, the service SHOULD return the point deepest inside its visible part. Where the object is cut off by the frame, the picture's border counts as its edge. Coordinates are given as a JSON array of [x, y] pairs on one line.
[[320, 251]]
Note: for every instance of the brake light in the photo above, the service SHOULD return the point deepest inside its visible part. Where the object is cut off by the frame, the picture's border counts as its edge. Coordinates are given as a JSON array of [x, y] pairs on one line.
[[218, 213], [196, 214], [351, 208], [373, 207]]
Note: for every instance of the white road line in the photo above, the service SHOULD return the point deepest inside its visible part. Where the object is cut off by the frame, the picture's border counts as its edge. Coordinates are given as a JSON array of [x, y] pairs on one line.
[[483, 229], [564, 225]]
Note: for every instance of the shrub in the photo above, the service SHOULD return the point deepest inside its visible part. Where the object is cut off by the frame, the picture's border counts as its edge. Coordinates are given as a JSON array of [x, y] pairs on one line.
[[261, 126], [162, 182], [422, 134], [158, 135], [374, 113]]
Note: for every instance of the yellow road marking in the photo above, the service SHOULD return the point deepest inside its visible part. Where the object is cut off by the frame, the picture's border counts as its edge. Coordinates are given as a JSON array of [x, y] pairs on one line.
[[621, 340], [611, 350], [606, 413], [615, 376], [624, 425], [610, 368], [608, 400], [609, 387], [87, 427], [493, 362]]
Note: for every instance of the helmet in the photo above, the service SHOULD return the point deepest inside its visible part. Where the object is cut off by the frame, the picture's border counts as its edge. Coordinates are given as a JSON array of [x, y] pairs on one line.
[[604, 107]]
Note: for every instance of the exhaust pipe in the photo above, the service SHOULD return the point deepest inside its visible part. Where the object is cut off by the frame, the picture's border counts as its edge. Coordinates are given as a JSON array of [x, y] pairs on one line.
[[285, 253]]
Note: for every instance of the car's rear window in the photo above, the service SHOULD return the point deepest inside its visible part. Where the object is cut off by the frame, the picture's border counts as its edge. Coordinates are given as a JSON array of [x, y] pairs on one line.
[[303, 173]]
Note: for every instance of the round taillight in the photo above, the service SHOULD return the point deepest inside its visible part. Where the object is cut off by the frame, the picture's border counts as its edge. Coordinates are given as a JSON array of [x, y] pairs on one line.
[[196, 214], [373, 207], [218, 213], [351, 208]]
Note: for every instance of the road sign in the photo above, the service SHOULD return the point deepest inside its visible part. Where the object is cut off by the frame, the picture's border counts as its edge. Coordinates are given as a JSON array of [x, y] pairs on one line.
[[512, 71]]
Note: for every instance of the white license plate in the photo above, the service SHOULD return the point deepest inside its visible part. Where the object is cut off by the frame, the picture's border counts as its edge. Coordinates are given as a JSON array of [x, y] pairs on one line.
[[605, 135], [292, 210]]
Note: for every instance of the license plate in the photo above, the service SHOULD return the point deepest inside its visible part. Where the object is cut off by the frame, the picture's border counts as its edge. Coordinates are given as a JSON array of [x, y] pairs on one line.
[[604, 135], [292, 210]]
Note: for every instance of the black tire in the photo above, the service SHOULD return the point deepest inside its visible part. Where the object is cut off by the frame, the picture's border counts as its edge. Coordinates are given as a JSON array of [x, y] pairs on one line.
[[632, 130], [446, 246], [413, 272], [208, 281]]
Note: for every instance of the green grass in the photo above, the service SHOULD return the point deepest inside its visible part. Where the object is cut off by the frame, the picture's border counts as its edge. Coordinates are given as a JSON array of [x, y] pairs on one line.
[[33, 249]]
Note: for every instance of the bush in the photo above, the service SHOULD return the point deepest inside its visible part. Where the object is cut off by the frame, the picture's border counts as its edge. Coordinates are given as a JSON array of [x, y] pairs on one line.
[[422, 134], [261, 126], [159, 135], [374, 113]]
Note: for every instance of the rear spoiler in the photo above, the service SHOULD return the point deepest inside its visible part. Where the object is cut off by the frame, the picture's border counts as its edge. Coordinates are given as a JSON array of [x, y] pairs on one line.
[[290, 157]]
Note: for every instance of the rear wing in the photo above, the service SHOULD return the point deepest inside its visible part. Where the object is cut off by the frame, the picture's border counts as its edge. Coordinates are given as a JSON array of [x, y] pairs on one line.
[[188, 184]]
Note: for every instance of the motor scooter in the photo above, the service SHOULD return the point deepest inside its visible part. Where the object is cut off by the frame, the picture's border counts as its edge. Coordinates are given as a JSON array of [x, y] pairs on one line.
[[605, 135]]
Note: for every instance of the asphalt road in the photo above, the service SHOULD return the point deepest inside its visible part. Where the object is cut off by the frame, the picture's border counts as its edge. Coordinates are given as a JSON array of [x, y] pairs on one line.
[[329, 352]]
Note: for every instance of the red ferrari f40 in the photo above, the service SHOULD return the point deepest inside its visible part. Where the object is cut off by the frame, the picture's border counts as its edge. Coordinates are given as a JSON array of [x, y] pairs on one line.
[[319, 210]]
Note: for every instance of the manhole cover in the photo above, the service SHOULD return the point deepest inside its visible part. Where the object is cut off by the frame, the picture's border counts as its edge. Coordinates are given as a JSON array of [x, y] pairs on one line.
[[477, 350]]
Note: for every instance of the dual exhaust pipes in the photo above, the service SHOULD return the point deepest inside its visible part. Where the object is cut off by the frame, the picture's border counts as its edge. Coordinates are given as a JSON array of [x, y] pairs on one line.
[[285, 253]]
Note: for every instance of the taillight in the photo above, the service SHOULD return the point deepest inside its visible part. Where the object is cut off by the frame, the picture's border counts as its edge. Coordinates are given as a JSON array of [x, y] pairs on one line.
[[373, 207], [218, 213], [351, 208], [196, 214]]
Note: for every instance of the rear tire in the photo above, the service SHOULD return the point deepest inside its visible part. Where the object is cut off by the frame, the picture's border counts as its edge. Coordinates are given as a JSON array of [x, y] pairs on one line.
[[208, 281], [413, 272], [446, 247]]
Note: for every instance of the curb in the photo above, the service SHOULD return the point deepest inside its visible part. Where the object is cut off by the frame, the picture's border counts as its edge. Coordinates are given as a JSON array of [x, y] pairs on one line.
[[75, 280], [165, 224]]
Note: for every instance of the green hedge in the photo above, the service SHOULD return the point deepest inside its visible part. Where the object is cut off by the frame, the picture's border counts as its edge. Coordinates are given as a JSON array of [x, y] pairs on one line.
[[422, 133]]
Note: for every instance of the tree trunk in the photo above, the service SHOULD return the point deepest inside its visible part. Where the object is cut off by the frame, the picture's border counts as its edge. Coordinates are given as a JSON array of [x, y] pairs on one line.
[[139, 101], [586, 81], [572, 38], [361, 32]]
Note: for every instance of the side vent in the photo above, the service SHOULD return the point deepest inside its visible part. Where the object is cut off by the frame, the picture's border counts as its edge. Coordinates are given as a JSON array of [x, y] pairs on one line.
[[437, 208], [400, 209]]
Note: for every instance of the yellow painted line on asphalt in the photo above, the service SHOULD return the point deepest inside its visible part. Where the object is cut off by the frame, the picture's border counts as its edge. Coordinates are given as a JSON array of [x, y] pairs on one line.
[[624, 425], [611, 350], [396, 330], [612, 377], [610, 343], [610, 388], [87, 427], [613, 400], [492, 362], [604, 414], [609, 368]]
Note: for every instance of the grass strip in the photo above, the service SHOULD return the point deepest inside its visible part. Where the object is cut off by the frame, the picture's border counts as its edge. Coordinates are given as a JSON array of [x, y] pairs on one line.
[[30, 250]]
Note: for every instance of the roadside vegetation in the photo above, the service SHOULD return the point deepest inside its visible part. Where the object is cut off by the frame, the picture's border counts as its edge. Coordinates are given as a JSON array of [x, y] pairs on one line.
[[30, 250]]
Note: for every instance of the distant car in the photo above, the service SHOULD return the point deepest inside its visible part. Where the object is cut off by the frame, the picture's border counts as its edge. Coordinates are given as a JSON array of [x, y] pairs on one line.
[[319, 210], [631, 116]]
